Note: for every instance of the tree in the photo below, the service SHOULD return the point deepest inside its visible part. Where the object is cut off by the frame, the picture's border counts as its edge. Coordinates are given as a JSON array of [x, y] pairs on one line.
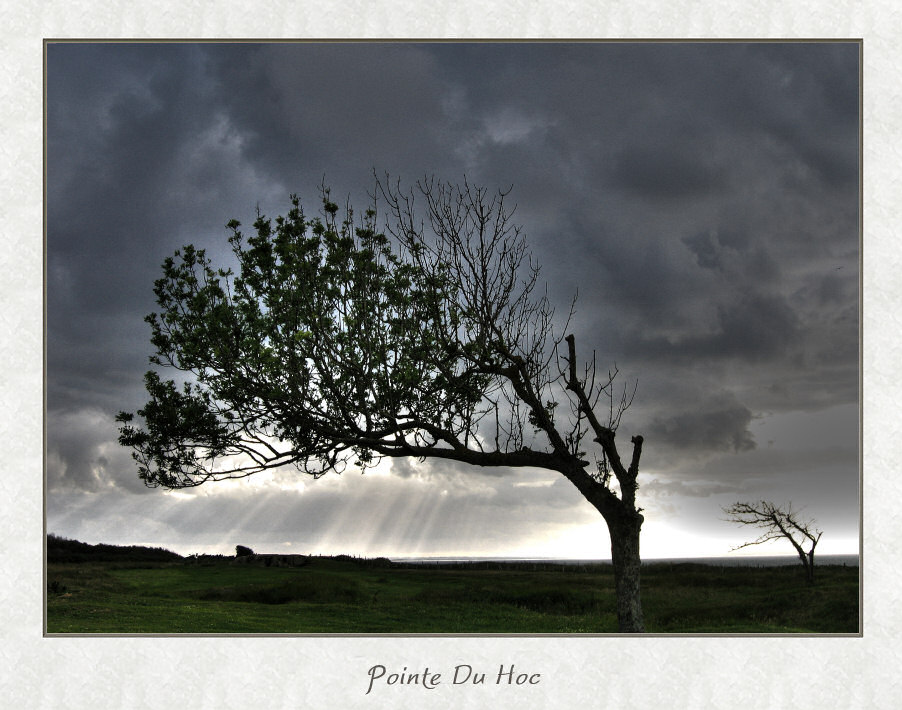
[[242, 551], [778, 523], [339, 343]]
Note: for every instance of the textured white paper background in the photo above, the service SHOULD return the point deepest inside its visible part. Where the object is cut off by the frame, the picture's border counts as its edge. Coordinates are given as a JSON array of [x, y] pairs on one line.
[[325, 672]]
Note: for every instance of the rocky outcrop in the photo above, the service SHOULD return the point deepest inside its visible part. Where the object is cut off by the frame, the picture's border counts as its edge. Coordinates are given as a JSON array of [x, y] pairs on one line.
[[265, 560]]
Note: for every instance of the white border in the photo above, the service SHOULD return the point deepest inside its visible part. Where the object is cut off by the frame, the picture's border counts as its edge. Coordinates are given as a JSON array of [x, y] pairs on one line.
[[331, 672]]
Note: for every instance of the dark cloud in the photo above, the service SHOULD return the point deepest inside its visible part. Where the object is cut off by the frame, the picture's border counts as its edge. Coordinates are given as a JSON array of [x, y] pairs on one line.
[[706, 251], [666, 171], [701, 198], [716, 423], [83, 455], [750, 329], [729, 251], [336, 110]]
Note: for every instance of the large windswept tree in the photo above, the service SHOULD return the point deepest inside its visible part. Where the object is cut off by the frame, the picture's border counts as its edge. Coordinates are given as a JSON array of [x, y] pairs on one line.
[[417, 331]]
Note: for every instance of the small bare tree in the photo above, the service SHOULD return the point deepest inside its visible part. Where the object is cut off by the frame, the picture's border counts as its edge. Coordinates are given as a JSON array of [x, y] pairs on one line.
[[778, 523]]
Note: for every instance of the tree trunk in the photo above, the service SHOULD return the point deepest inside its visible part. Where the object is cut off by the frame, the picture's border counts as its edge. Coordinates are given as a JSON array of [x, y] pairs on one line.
[[808, 561], [624, 533]]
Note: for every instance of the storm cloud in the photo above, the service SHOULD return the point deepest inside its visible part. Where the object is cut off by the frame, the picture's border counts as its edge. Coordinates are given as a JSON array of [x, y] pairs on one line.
[[701, 198]]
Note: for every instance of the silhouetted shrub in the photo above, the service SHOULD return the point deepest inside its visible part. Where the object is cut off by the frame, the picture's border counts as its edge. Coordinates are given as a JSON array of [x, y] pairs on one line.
[[242, 551], [63, 550]]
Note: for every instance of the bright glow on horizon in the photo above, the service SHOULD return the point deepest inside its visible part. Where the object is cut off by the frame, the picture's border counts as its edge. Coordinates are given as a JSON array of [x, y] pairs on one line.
[[418, 510]]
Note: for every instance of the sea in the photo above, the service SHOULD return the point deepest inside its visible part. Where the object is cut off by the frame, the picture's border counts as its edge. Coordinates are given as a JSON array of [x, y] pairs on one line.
[[735, 561]]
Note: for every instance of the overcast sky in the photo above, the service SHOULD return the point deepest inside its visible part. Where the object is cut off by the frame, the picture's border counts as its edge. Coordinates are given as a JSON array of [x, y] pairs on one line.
[[703, 199]]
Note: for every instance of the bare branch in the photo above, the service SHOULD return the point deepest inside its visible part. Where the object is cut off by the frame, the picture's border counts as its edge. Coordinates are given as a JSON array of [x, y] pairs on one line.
[[777, 523]]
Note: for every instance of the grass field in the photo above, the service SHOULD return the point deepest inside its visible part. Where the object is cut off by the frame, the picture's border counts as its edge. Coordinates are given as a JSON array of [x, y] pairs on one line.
[[346, 595]]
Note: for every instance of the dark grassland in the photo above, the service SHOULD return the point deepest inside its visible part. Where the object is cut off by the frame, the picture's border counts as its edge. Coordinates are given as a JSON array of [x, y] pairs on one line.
[[105, 591]]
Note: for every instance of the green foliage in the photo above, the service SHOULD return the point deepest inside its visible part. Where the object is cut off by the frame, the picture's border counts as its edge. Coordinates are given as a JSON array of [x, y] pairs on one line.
[[330, 345], [353, 595], [322, 588], [696, 598]]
